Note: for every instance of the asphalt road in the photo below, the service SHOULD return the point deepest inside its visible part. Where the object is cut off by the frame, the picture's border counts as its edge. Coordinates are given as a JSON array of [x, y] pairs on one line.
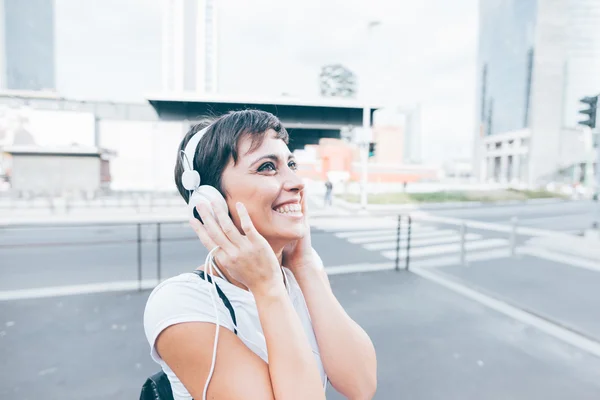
[[431, 344], [568, 216], [45, 257], [558, 292], [59, 256]]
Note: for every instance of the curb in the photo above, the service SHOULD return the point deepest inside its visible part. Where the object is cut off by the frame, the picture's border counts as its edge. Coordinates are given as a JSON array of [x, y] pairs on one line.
[[573, 246], [446, 205]]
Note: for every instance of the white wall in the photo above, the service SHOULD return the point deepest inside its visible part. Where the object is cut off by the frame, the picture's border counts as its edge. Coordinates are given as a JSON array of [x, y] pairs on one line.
[[49, 128], [145, 153], [582, 70], [547, 90], [47, 174], [573, 148]]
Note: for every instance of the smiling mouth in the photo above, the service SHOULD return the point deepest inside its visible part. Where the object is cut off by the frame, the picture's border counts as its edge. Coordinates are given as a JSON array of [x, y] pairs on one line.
[[290, 210]]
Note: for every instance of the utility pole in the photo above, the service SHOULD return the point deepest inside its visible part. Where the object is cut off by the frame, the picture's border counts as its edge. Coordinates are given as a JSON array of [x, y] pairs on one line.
[[596, 224], [591, 104], [365, 138], [367, 134]]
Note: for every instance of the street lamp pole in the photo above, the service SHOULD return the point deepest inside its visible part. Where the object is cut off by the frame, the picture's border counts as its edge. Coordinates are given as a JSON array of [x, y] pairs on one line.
[[589, 123], [364, 155], [366, 130], [596, 223]]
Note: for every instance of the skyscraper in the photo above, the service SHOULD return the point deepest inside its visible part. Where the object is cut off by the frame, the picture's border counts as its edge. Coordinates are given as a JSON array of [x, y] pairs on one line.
[[536, 59], [27, 45], [189, 58]]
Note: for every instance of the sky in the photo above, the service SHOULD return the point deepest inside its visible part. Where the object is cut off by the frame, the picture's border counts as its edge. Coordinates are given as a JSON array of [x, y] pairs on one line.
[[422, 52]]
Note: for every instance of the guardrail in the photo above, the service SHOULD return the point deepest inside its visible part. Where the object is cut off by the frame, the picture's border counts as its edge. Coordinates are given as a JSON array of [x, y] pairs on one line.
[[511, 229], [140, 238], [156, 226], [408, 219]]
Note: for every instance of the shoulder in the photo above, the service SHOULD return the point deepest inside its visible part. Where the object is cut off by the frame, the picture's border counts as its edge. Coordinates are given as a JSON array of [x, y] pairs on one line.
[[183, 298], [176, 289]]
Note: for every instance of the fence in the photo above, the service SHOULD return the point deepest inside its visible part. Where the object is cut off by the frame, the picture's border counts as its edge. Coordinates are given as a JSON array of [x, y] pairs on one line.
[[99, 252], [139, 253]]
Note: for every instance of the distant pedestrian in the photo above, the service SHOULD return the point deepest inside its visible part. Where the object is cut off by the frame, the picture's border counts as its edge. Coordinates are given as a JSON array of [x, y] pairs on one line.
[[328, 193]]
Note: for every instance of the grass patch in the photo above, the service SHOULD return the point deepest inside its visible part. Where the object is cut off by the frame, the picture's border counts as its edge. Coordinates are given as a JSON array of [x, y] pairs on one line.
[[539, 194], [452, 196]]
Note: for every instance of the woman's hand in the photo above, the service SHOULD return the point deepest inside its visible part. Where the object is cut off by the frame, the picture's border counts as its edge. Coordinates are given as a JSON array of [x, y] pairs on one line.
[[248, 258], [299, 254]]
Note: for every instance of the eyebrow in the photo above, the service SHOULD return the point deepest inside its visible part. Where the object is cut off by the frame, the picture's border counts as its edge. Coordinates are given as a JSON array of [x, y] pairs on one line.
[[272, 157]]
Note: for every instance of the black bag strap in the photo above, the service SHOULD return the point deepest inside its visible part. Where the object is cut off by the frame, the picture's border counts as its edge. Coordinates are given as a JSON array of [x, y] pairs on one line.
[[224, 298]]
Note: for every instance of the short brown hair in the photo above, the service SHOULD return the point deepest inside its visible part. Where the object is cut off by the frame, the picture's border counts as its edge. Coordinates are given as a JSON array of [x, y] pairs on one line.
[[221, 141]]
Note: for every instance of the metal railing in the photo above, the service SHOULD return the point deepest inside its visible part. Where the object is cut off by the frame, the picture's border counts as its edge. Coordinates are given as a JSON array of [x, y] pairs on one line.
[[139, 240], [404, 231], [511, 229], [399, 242]]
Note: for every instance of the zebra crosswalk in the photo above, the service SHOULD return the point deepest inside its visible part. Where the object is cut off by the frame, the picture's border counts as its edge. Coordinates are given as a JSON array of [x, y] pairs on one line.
[[430, 245]]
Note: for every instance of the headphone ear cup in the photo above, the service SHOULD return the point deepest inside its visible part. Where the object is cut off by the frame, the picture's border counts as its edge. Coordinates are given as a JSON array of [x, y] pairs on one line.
[[195, 199], [207, 194], [190, 179], [212, 195]]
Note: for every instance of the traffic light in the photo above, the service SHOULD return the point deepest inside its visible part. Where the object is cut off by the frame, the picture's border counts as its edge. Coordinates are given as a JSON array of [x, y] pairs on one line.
[[372, 147], [590, 112]]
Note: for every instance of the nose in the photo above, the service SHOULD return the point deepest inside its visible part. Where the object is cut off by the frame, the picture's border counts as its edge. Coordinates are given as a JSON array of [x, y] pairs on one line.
[[292, 182]]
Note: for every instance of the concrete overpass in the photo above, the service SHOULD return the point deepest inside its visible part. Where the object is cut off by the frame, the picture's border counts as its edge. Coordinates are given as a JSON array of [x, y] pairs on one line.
[[306, 121]]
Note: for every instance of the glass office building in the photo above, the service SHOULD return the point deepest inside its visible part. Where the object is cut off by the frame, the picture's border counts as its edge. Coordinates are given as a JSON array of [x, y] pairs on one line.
[[189, 61], [536, 59], [27, 45], [505, 63]]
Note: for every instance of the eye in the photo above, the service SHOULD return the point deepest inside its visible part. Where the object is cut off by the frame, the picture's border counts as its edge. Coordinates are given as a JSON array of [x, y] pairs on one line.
[[293, 166], [268, 166]]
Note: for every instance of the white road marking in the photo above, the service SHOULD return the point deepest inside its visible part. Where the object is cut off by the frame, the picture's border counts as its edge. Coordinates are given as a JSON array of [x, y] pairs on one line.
[[54, 291], [375, 232], [554, 330], [421, 242], [393, 237], [561, 258], [450, 248]]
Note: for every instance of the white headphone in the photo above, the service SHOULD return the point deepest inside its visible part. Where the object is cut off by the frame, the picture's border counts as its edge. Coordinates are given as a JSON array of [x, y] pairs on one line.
[[190, 178]]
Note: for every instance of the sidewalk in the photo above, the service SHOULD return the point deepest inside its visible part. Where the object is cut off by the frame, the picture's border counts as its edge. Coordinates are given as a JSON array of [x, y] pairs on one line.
[[560, 292], [431, 344], [108, 215], [585, 247], [406, 207]]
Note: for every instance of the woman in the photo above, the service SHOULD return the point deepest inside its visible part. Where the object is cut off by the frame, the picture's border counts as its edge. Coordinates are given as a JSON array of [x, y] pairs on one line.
[[291, 335]]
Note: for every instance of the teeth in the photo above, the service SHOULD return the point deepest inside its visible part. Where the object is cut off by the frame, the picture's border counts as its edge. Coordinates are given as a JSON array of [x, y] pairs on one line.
[[289, 208]]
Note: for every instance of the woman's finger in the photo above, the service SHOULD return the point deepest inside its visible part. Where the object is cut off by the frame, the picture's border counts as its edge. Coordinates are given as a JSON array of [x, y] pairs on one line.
[[202, 234], [246, 222], [227, 225], [213, 228]]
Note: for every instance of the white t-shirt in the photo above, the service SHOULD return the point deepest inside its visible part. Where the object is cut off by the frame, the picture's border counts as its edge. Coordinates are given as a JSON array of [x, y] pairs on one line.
[[187, 298]]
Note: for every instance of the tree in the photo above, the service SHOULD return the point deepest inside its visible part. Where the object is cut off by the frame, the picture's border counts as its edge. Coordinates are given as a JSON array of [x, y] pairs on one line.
[[337, 81]]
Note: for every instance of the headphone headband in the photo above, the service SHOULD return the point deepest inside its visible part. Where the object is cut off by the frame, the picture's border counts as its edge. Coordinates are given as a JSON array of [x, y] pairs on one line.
[[192, 145], [190, 177]]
